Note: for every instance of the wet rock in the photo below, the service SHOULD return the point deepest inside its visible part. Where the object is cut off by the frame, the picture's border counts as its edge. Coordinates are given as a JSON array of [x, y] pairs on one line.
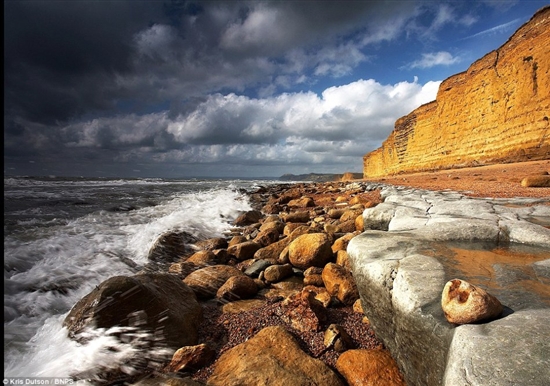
[[464, 303], [369, 368], [248, 218], [272, 357], [171, 308], [204, 258], [206, 282], [212, 243], [170, 246], [190, 358]]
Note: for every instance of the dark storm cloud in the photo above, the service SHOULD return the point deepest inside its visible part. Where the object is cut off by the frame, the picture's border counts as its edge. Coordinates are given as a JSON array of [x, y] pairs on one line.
[[180, 81]]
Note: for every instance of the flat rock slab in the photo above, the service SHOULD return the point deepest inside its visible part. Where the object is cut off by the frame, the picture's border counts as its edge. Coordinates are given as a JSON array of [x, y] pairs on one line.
[[417, 240]]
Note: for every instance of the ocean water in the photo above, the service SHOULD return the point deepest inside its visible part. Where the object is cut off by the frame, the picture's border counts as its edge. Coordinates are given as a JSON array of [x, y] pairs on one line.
[[64, 236]]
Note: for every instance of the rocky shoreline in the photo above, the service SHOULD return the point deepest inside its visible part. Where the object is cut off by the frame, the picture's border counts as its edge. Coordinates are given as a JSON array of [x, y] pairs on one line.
[[282, 272]]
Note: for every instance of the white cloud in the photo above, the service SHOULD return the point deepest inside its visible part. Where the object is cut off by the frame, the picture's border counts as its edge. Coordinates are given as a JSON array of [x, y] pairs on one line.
[[336, 127], [428, 60]]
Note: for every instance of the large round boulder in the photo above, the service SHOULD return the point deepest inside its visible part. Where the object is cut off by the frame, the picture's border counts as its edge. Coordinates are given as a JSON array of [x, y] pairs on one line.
[[151, 302], [310, 250]]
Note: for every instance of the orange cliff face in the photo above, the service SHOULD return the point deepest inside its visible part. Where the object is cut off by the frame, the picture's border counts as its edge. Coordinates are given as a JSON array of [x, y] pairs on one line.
[[497, 111]]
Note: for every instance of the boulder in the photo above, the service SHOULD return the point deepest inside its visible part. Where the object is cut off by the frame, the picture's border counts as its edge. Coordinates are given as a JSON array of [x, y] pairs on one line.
[[272, 251], [206, 282], [303, 202], [341, 243], [204, 258], [271, 358], [171, 308], [190, 358], [309, 250], [464, 303], [303, 312], [298, 216], [169, 247], [277, 272], [236, 288], [541, 181], [248, 218], [212, 243], [369, 368], [267, 236], [340, 283], [244, 250], [257, 266]]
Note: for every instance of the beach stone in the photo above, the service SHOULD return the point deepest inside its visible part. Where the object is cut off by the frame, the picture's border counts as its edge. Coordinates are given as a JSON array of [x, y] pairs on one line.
[[237, 288], [463, 303], [278, 272], [169, 247], [303, 312], [203, 258], [320, 293], [206, 282], [273, 222], [335, 213], [236, 240], [310, 250], [345, 227], [256, 267], [183, 268], [337, 338], [340, 283], [540, 181], [362, 367], [171, 308], [272, 251], [359, 223], [212, 243], [303, 202], [341, 243], [245, 250], [342, 258], [351, 214], [298, 216], [267, 236], [190, 358], [271, 357], [248, 218]]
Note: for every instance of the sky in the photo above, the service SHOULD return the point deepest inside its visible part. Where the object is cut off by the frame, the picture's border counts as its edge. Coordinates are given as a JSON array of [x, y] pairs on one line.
[[250, 89]]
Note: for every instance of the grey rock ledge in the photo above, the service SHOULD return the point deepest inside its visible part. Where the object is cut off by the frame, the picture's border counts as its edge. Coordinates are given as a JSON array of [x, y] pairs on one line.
[[404, 258]]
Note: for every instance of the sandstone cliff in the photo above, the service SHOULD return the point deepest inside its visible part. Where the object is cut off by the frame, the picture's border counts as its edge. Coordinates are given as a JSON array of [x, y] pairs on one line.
[[497, 111]]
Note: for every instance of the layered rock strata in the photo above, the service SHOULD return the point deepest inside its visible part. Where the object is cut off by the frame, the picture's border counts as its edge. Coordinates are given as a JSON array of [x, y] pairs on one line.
[[417, 240], [496, 111]]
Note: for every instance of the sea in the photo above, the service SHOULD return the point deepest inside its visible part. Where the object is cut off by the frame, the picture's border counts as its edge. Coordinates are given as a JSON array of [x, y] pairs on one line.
[[64, 236]]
